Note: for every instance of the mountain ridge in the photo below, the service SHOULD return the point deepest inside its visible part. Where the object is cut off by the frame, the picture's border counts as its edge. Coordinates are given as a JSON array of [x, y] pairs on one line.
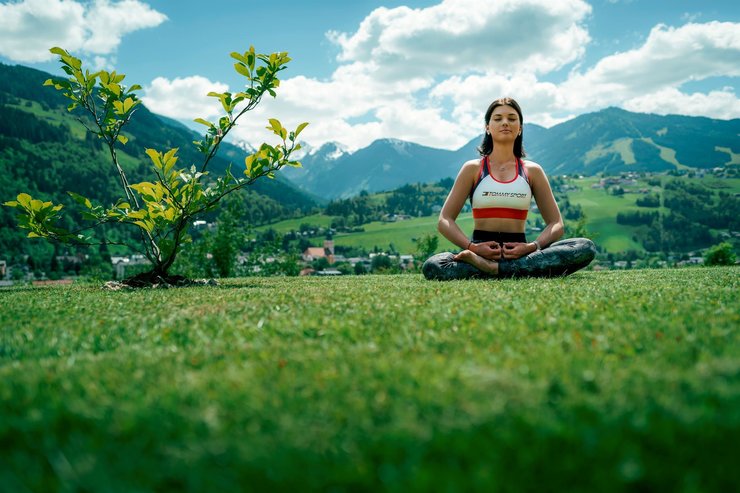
[[609, 141]]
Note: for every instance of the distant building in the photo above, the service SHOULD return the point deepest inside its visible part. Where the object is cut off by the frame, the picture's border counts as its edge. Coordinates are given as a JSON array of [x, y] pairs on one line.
[[315, 253], [3, 269]]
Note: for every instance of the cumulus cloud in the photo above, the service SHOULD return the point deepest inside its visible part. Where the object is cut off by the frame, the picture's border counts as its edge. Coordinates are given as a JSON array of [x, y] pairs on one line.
[[471, 95], [721, 104], [183, 98], [645, 79], [461, 35], [30, 27], [669, 58]]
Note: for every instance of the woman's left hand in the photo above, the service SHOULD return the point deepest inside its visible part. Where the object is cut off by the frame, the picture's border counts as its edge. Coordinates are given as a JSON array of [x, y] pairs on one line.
[[516, 250]]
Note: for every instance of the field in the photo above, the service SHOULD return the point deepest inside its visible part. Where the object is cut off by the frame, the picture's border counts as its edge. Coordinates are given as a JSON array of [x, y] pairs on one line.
[[602, 381], [600, 208]]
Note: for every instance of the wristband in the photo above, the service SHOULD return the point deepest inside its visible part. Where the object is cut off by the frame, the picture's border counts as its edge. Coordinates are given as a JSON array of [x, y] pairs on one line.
[[468, 247], [537, 245]]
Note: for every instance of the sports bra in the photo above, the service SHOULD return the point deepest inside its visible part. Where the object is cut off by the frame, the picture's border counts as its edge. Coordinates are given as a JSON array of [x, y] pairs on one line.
[[491, 198]]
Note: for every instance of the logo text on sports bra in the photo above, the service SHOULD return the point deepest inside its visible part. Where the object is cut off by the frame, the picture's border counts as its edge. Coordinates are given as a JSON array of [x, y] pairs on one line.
[[517, 195]]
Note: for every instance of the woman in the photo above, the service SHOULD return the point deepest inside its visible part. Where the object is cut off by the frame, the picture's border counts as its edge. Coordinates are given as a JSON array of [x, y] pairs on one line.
[[500, 187]]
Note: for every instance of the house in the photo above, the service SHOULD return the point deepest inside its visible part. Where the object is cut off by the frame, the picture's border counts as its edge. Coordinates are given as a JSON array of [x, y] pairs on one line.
[[3, 269], [315, 253]]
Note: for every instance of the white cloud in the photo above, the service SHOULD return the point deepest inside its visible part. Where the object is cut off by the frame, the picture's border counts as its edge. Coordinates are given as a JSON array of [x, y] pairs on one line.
[[107, 22], [462, 35], [721, 104], [647, 79], [471, 96], [183, 98], [30, 27], [669, 58]]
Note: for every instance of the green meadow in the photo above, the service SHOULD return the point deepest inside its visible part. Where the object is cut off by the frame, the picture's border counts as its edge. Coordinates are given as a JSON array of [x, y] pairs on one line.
[[600, 207], [601, 381]]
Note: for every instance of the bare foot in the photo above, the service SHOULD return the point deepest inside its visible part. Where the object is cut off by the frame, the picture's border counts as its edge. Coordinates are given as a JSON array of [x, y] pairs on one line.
[[477, 261]]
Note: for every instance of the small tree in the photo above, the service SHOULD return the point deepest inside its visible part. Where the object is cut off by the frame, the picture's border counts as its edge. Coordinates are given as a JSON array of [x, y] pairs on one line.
[[721, 254], [160, 210]]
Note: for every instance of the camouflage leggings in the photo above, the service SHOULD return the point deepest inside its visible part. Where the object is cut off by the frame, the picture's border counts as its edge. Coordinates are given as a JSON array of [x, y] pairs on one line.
[[559, 259]]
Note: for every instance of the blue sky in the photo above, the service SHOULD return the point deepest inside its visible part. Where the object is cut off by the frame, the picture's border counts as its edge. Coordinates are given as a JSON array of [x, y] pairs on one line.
[[422, 71]]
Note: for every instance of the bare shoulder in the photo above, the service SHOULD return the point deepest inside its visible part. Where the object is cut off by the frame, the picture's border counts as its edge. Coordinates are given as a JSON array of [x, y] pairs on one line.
[[469, 167], [473, 163], [534, 170], [531, 165]]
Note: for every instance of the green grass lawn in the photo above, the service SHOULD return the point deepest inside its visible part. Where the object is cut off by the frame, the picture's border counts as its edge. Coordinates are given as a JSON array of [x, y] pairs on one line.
[[602, 381]]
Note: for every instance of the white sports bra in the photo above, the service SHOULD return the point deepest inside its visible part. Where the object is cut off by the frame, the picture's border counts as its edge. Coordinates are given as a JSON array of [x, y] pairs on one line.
[[491, 198]]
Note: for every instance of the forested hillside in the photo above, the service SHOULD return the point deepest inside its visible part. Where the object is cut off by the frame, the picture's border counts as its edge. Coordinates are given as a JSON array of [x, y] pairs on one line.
[[46, 152]]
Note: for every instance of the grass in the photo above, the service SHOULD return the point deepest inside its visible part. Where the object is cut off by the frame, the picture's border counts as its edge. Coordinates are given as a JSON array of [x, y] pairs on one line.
[[401, 234], [602, 381]]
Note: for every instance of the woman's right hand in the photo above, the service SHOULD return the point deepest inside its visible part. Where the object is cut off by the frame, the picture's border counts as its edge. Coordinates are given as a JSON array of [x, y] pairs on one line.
[[490, 250]]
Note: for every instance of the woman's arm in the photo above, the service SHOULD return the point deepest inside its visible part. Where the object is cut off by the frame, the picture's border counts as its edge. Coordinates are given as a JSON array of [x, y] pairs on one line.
[[549, 210], [454, 204]]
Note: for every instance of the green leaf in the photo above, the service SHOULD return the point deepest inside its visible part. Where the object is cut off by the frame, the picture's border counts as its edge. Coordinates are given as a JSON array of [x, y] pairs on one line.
[[155, 157], [203, 122], [114, 88], [58, 51], [128, 104], [169, 160], [239, 56], [11, 203], [89, 216], [146, 225], [242, 69], [300, 128], [24, 199], [275, 126], [80, 199], [122, 139]]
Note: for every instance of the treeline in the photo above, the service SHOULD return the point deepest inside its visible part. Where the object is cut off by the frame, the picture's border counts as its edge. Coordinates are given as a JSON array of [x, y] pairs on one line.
[[636, 218], [18, 124], [694, 211], [410, 200]]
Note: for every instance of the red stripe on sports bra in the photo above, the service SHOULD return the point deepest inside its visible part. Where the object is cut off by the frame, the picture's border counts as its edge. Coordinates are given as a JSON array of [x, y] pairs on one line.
[[500, 213]]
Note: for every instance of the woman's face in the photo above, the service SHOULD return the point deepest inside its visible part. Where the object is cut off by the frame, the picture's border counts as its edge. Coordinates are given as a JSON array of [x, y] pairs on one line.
[[504, 123]]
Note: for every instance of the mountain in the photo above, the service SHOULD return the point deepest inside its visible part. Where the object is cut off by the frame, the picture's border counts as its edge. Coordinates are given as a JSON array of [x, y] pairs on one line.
[[608, 141], [384, 164], [45, 151], [614, 140]]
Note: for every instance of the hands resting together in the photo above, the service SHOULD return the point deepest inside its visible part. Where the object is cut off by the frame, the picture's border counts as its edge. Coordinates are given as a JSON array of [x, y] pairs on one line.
[[492, 250]]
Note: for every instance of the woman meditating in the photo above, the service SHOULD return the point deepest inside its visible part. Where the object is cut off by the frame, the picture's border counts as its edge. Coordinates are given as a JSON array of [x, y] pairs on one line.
[[500, 187]]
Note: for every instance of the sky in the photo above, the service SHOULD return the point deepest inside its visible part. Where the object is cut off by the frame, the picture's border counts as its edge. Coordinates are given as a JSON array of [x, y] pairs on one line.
[[417, 70]]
